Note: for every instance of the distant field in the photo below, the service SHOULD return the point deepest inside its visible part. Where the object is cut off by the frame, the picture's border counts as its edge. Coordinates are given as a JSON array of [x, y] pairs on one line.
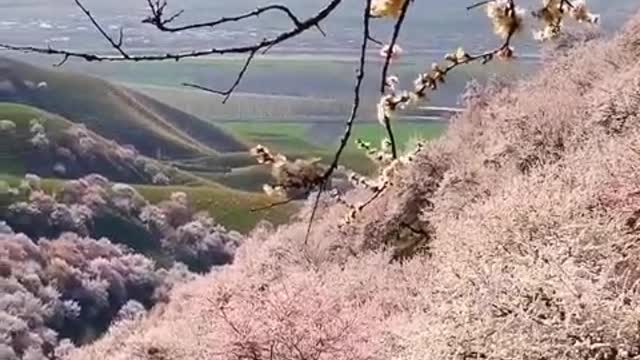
[[285, 137], [311, 77], [289, 137], [305, 140]]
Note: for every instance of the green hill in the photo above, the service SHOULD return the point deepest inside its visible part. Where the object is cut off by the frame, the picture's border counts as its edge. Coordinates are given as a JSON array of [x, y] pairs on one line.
[[19, 156], [228, 207], [114, 112], [15, 149], [35, 141]]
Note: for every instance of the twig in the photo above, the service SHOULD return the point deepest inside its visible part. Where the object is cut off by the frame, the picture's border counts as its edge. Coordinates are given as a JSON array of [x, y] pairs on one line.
[[274, 205], [311, 22], [352, 117], [376, 194], [157, 13], [227, 93], [478, 4], [115, 44], [375, 41]]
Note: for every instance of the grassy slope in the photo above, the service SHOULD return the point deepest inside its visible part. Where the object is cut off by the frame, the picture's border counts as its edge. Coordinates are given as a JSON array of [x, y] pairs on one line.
[[14, 146], [230, 207], [113, 112], [18, 156]]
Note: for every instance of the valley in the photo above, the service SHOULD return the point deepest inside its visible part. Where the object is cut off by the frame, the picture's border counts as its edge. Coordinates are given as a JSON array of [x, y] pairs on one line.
[[163, 139]]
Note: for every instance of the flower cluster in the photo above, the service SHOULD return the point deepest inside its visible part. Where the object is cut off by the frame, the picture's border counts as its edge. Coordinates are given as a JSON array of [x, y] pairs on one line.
[[70, 286], [7, 126], [292, 178], [39, 138], [79, 145], [387, 8], [172, 227], [552, 15], [506, 17], [190, 237]]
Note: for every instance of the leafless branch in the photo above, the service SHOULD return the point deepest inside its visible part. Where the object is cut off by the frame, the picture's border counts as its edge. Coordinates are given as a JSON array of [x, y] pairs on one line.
[[274, 205], [352, 117], [123, 56], [158, 20], [227, 93]]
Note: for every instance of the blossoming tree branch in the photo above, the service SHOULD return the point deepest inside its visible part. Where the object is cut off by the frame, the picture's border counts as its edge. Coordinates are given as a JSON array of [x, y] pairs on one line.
[[295, 179]]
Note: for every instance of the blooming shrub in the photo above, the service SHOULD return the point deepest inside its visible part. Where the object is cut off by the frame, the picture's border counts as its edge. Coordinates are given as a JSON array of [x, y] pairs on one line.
[[7, 126], [68, 287]]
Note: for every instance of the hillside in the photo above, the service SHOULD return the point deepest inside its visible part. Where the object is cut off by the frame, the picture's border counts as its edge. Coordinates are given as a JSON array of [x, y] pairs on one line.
[[515, 236], [114, 112], [38, 142], [33, 141]]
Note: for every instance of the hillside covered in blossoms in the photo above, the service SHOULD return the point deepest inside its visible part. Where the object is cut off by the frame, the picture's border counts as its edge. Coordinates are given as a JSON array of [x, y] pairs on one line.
[[319, 180], [514, 236]]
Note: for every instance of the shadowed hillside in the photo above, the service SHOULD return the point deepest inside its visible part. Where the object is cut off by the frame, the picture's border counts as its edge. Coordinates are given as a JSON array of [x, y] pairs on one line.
[[513, 237], [114, 112]]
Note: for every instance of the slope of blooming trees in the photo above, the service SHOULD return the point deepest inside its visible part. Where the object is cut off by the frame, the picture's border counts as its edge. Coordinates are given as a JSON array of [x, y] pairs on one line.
[[93, 206], [525, 216], [49, 146], [61, 284], [68, 287]]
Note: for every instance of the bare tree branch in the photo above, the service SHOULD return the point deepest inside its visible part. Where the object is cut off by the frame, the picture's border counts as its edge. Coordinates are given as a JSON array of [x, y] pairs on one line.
[[157, 17], [352, 117], [158, 20], [123, 56], [115, 44], [227, 93]]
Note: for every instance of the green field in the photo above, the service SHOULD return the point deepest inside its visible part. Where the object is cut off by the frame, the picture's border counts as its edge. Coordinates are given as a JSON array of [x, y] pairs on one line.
[[297, 137]]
